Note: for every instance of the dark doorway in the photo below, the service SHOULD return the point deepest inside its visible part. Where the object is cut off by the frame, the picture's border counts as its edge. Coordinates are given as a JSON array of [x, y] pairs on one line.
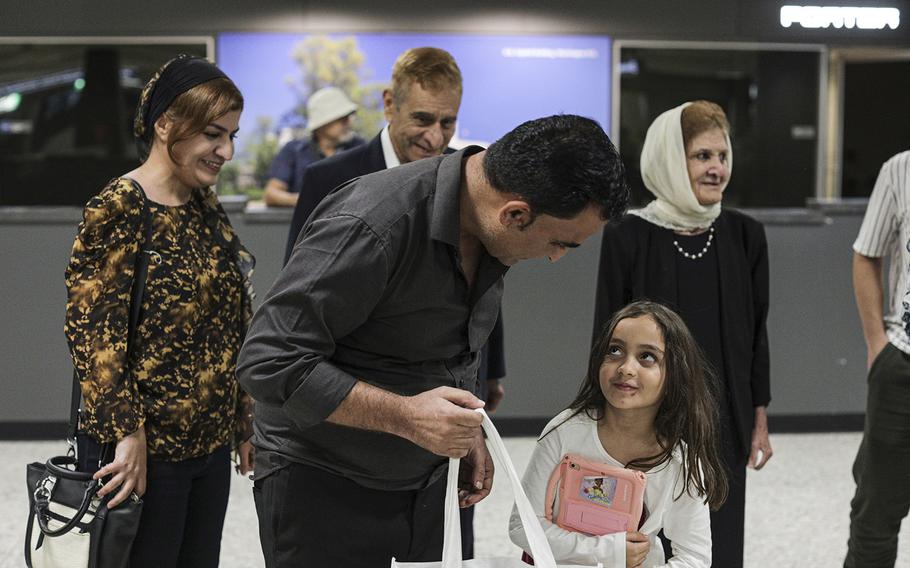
[[66, 116], [876, 121]]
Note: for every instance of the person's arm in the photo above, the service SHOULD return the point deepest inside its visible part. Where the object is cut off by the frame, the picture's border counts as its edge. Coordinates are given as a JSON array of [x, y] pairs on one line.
[[496, 365], [567, 546], [243, 432], [128, 469], [475, 478], [277, 195], [99, 281], [437, 420], [867, 287], [495, 393], [881, 225], [335, 278], [280, 175], [760, 450]]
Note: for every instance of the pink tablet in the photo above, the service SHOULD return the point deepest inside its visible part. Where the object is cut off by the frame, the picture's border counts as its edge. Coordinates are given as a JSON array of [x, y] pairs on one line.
[[595, 498]]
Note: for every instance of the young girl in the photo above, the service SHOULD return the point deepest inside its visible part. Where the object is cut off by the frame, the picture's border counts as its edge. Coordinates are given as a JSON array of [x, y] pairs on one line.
[[647, 403]]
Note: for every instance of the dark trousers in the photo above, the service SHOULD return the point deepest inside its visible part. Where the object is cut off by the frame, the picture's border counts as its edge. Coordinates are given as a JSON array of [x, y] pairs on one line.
[[310, 517], [183, 512], [728, 522], [882, 466], [467, 532]]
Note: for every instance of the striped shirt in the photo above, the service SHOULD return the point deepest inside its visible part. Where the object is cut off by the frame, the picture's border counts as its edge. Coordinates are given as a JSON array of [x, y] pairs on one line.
[[886, 232]]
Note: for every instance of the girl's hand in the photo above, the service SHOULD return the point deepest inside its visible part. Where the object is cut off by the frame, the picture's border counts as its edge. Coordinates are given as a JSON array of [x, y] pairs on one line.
[[637, 547], [127, 471], [246, 455]]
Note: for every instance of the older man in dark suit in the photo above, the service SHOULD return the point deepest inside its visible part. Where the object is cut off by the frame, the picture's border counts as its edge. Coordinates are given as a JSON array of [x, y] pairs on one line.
[[421, 108]]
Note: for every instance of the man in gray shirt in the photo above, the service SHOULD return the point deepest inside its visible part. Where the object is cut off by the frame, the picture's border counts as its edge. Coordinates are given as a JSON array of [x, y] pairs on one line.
[[363, 357]]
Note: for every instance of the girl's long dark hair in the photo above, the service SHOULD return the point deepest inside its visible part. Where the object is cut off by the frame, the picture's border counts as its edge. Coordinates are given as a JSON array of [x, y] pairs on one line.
[[689, 409]]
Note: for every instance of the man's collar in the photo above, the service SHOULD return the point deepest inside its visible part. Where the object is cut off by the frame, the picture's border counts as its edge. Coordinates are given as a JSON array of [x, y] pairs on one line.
[[446, 223], [388, 151]]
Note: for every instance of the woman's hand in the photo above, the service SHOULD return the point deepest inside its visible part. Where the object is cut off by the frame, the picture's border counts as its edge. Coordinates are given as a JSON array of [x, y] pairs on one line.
[[495, 392], [637, 547], [761, 444], [127, 471], [246, 455]]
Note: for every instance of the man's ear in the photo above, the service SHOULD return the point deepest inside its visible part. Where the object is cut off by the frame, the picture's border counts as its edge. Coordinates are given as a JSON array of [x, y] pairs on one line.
[[388, 102], [515, 213]]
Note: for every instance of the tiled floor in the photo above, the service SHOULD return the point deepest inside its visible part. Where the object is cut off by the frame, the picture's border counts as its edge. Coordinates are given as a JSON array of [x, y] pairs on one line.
[[796, 508]]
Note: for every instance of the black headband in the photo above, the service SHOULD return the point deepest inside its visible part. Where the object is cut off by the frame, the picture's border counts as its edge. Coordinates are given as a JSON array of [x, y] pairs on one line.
[[175, 77]]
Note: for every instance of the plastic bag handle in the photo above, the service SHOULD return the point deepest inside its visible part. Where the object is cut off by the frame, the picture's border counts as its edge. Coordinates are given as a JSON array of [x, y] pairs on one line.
[[451, 548]]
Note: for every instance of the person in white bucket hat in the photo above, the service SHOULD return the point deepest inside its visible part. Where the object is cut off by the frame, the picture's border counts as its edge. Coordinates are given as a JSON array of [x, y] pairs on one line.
[[329, 127]]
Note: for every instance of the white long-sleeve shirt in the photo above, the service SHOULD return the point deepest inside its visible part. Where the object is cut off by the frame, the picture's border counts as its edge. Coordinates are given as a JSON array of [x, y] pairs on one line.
[[685, 520]]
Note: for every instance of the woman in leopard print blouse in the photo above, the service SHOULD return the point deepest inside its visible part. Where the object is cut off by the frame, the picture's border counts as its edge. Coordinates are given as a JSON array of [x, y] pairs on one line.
[[174, 409]]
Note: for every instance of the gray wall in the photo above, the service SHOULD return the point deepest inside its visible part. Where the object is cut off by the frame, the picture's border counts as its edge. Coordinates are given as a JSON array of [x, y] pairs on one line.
[[817, 348], [34, 363]]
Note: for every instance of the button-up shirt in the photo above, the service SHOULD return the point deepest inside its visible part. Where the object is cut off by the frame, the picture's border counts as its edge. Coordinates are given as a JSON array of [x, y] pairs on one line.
[[373, 291], [388, 149]]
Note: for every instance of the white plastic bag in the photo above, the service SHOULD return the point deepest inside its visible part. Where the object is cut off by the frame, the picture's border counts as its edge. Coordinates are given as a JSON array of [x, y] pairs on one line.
[[451, 548]]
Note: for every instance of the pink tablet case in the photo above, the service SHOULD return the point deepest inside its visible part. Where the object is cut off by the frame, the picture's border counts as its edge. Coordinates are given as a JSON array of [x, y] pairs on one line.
[[595, 498]]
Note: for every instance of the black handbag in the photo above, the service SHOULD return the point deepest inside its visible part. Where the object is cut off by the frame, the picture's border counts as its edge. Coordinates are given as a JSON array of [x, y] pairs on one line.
[[69, 526]]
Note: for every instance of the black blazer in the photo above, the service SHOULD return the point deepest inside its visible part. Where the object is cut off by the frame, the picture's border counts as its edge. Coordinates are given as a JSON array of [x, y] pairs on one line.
[[637, 261], [322, 177]]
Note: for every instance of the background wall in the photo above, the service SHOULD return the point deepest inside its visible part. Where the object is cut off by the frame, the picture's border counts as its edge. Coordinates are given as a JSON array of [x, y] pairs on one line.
[[817, 349]]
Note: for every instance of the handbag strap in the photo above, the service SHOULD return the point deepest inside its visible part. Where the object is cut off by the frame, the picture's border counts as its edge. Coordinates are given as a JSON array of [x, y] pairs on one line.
[[42, 510], [451, 548], [140, 275]]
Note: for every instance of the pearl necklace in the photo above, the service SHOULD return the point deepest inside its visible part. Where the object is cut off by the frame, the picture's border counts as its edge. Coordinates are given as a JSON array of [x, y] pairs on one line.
[[700, 254]]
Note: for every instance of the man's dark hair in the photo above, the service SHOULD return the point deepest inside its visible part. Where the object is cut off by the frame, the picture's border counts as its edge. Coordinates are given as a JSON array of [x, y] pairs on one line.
[[559, 165]]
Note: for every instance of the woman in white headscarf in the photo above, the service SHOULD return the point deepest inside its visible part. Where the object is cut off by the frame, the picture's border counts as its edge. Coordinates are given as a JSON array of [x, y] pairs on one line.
[[711, 265]]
